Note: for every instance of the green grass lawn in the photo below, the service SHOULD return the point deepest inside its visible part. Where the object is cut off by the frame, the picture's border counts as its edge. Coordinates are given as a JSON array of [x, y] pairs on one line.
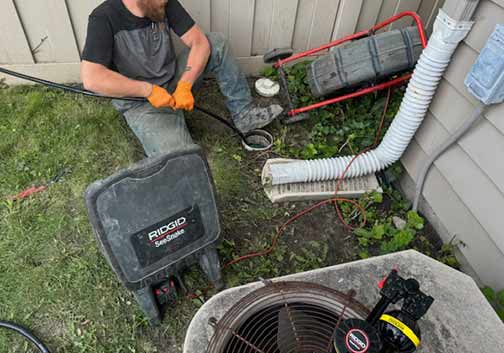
[[53, 278]]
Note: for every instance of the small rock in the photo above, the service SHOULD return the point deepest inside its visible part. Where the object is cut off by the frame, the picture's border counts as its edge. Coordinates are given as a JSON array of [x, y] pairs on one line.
[[399, 223]]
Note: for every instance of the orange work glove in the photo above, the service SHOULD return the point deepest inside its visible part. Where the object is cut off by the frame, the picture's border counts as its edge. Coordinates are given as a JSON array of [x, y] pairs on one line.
[[160, 98], [183, 96]]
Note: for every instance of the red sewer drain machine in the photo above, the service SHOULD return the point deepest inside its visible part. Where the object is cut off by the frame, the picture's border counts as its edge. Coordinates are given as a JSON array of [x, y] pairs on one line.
[[280, 58]]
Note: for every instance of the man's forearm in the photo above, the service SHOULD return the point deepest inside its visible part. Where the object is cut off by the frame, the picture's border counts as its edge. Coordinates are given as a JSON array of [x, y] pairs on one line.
[[197, 61], [101, 80]]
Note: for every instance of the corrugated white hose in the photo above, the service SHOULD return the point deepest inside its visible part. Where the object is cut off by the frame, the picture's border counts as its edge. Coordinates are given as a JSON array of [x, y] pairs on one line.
[[431, 66]]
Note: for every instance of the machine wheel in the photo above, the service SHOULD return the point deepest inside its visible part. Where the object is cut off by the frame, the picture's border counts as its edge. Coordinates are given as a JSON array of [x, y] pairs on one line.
[[147, 301], [274, 55]]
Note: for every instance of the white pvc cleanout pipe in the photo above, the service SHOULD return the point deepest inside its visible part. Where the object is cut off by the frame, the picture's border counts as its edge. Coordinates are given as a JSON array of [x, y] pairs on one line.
[[436, 57]]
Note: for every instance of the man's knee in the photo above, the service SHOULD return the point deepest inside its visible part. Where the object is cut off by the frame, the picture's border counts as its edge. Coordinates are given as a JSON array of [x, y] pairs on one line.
[[160, 131]]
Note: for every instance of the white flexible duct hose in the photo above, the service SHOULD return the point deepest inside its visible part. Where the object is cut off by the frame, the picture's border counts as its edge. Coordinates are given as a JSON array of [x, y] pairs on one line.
[[429, 70]]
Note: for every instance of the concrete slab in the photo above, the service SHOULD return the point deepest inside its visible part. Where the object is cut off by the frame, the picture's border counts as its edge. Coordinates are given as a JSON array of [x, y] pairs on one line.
[[460, 320]]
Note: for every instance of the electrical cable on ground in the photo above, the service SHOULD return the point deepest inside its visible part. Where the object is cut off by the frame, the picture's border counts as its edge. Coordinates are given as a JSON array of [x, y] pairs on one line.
[[26, 334], [334, 201]]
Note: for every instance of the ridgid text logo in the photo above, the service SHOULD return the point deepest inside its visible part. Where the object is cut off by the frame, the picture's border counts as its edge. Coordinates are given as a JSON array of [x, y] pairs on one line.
[[168, 232]]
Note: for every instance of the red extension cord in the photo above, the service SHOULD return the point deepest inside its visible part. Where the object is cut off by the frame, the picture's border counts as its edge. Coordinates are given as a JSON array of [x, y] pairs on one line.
[[308, 210]]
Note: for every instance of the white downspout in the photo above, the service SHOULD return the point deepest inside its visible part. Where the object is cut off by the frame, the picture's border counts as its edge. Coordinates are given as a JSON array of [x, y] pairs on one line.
[[450, 28]]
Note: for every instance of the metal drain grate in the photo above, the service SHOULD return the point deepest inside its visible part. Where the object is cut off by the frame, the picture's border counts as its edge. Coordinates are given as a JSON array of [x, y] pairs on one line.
[[285, 317]]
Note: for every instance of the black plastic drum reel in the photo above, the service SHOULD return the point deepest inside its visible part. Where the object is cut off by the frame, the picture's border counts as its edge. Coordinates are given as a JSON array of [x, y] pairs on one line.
[[154, 219]]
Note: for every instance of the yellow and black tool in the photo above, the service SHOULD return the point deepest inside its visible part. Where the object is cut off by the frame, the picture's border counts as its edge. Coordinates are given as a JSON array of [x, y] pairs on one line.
[[395, 331]]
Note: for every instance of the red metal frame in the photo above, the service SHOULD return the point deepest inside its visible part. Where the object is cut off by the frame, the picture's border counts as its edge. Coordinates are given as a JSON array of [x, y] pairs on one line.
[[358, 35]]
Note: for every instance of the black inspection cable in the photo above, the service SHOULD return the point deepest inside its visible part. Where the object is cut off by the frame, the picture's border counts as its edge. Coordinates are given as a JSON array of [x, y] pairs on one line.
[[65, 87], [223, 121], [26, 334], [97, 95]]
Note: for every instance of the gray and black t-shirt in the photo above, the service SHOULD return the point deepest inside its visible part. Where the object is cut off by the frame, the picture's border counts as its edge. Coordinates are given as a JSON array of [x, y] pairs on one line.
[[135, 47]]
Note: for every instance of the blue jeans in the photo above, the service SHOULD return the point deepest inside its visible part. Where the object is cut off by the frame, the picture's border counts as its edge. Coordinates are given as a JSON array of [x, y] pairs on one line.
[[164, 130]]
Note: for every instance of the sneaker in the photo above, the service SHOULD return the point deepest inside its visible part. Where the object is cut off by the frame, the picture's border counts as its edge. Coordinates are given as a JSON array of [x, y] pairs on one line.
[[256, 117]]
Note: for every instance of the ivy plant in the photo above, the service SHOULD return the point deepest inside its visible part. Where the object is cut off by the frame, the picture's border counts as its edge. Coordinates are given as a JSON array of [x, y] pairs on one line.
[[496, 299]]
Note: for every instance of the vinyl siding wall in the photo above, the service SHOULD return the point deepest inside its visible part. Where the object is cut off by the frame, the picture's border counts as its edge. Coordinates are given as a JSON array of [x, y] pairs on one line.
[[465, 188]]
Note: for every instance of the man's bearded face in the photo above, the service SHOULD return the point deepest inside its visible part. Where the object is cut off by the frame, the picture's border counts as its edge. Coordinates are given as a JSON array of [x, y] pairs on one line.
[[154, 9]]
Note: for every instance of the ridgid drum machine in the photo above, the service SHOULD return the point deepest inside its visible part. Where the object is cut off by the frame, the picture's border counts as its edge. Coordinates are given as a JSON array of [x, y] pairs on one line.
[[154, 219]]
